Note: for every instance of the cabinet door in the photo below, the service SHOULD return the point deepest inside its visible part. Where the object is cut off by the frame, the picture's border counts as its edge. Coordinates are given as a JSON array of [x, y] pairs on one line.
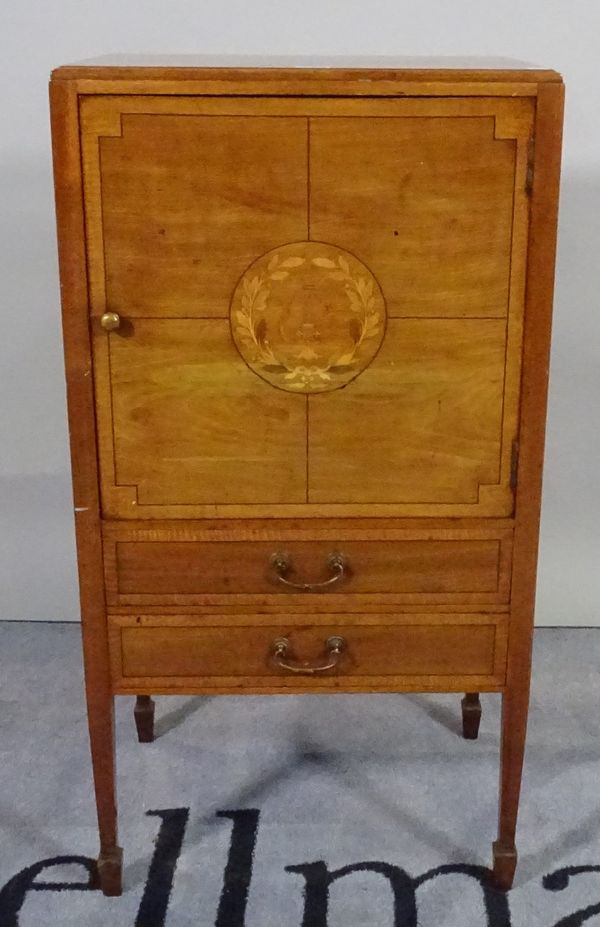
[[320, 303]]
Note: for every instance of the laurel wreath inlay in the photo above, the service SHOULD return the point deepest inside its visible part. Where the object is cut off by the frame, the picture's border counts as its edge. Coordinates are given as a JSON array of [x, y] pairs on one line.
[[310, 321]]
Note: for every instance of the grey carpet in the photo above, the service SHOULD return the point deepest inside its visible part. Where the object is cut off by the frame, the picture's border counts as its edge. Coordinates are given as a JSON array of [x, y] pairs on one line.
[[316, 783]]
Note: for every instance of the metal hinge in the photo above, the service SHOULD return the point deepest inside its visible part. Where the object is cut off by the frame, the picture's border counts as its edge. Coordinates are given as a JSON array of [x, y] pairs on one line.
[[514, 465], [530, 160]]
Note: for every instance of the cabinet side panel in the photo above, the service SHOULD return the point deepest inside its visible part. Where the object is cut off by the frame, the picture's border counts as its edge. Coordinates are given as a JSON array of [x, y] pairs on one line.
[[80, 399], [536, 352], [536, 355], [74, 299]]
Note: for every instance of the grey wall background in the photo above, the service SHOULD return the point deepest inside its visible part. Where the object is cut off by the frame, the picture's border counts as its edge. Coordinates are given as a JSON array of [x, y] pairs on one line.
[[37, 558]]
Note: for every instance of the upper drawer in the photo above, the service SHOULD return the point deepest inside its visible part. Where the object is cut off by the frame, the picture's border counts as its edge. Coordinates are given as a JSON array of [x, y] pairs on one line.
[[295, 282], [180, 567]]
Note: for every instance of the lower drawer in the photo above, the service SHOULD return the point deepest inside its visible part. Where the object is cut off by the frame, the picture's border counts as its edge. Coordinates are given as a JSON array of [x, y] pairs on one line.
[[257, 653]]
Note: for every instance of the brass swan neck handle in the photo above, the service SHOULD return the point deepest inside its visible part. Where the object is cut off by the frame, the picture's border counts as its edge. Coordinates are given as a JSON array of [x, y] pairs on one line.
[[283, 659], [282, 565]]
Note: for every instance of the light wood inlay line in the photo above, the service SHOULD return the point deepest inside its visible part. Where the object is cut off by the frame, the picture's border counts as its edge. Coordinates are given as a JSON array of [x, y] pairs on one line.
[[308, 234]]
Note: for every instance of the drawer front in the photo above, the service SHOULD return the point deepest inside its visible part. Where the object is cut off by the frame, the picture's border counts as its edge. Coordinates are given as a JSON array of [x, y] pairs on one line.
[[263, 652], [401, 569]]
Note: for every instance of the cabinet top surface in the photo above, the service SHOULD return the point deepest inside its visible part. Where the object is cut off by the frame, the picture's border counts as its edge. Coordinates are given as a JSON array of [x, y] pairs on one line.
[[384, 67]]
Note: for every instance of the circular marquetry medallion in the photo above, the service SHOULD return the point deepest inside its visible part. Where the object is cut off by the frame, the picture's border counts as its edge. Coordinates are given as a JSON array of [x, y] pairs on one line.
[[308, 317]]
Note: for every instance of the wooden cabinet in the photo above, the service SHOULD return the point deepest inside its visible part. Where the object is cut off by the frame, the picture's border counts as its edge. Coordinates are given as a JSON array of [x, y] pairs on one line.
[[306, 316]]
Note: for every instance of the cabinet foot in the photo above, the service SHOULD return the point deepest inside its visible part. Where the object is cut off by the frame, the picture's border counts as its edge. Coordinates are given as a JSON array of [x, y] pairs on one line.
[[505, 863], [471, 715], [144, 718], [110, 872]]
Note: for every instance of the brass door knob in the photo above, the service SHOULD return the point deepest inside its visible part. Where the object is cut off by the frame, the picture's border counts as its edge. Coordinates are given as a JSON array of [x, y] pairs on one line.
[[110, 321]]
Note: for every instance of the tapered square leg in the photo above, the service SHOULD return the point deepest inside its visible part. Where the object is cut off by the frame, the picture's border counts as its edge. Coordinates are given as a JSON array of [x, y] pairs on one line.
[[102, 742], [514, 726], [144, 718], [101, 722], [471, 715]]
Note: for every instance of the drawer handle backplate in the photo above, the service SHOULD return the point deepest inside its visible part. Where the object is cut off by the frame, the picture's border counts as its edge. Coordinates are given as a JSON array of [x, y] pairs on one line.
[[334, 647], [282, 565]]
